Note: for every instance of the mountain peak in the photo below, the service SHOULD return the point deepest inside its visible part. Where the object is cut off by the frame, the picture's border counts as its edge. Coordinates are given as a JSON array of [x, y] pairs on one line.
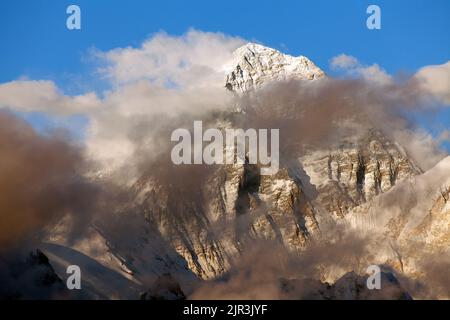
[[254, 65], [254, 48]]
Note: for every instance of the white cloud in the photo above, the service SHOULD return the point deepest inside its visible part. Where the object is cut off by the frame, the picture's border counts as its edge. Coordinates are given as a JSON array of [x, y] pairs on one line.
[[421, 146], [110, 138], [375, 74], [166, 75], [435, 80], [344, 61], [352, 67], [190, 60], [44, 96]]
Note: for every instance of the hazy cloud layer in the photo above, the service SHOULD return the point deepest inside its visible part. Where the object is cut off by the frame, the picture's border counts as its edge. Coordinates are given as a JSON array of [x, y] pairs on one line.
[[41, 182], [257, 274]]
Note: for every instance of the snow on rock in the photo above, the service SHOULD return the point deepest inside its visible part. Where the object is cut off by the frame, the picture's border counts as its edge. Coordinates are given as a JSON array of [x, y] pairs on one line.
[[254, 65]]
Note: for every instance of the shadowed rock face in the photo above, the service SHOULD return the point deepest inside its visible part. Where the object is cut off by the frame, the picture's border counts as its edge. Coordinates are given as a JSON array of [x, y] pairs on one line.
[[349, 287], [29, 277], [165, 288]]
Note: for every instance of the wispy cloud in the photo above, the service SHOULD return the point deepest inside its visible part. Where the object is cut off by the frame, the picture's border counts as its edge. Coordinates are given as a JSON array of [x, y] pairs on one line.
[[352, 67]]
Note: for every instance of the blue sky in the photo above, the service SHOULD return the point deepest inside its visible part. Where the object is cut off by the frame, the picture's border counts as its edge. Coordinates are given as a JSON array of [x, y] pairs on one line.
[[36, 43]]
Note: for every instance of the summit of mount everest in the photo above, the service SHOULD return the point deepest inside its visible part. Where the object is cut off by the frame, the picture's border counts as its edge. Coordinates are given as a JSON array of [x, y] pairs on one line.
[[254, 65], [363, 194]]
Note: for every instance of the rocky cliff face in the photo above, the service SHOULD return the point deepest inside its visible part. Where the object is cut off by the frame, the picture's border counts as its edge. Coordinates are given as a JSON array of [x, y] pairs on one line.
[[241, 206], [356, 171], [164, 288], [416, 208]]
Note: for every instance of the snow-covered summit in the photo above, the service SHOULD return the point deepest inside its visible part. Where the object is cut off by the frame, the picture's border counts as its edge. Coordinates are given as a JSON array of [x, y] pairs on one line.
[[254, 65]]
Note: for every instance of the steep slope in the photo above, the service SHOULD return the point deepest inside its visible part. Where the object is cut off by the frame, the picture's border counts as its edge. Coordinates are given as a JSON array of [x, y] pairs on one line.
[[29, 276], [240, 205], [412, 209], [410, 226], [357, 170], [121, 256]]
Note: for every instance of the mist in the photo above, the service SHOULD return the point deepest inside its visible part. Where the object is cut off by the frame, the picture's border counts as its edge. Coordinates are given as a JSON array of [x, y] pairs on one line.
[[42, 182]]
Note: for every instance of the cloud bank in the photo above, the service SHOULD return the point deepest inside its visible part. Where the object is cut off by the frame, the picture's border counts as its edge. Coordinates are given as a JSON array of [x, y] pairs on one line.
[[42, 182]]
